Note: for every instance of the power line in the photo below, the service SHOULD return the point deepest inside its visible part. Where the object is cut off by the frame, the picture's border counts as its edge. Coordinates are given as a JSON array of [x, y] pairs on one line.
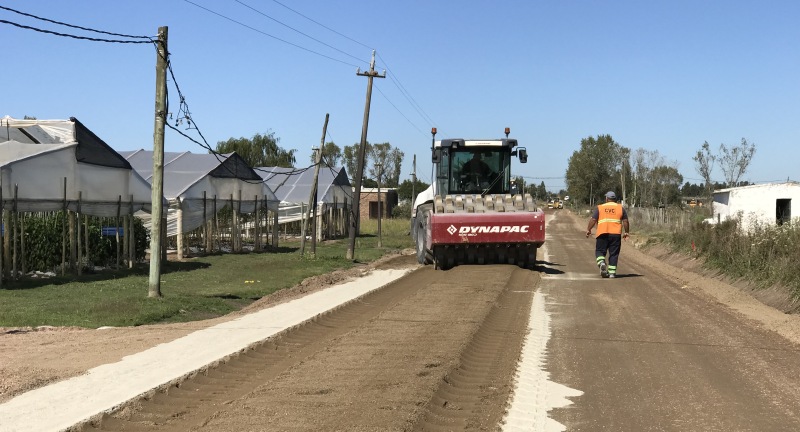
[[298, 31], [405, 93], [398, 110], [324, 26], [183, 109], [76, 26], [185, 115], [74, 36], [394, 78], [269, 35]]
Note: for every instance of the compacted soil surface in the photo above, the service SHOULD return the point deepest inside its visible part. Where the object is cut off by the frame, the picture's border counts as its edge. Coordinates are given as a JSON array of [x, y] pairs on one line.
[[434, 350]]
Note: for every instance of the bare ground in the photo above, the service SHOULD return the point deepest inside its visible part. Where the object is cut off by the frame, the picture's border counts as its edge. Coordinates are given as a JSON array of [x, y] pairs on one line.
[[34, 357]]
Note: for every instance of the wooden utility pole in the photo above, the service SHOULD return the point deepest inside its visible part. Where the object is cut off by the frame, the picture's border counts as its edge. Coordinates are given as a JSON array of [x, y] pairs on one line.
[[158, 165], [315, 188], [355, 209], [413, 180], [380, 204], [312, 199]]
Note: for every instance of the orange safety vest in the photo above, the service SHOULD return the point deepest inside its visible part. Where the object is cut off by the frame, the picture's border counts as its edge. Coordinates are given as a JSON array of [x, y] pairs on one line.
[[609, 219]]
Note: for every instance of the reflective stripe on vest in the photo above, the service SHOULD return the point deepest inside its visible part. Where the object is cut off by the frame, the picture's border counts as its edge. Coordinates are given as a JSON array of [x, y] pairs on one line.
[[609, 218]]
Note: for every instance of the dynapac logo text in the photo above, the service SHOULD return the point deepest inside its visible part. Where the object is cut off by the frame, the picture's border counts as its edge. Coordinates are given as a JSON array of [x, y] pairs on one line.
[[486, 229]]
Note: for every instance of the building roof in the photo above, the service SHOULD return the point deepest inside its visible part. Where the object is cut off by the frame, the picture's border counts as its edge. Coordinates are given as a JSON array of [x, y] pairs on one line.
[[757, 186], [293, 185]]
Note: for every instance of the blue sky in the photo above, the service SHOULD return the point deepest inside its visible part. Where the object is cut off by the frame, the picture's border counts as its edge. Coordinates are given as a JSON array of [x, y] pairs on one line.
[[663, 76]]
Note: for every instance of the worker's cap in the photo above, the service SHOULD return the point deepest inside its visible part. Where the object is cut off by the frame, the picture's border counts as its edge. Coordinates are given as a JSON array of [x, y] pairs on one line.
[[611, 195]]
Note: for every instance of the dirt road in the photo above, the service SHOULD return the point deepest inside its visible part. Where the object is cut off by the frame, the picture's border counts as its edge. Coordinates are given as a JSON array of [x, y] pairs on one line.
[[373, 364], [660, 348], [655, 350]]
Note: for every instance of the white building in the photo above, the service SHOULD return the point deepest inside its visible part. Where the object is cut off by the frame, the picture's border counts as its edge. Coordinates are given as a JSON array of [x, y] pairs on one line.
[[768, 203]]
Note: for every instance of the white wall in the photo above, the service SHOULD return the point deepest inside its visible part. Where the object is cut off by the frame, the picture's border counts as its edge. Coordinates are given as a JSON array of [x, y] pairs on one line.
[[756, 203]]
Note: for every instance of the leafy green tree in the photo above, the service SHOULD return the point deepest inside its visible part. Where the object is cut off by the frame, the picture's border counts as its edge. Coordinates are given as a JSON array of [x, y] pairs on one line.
[[537, 192], [389, 157], [667, 184], [692, 190], [259, 151], [655, 181], [593, 170], [404, 189], [331, 155], [349, 158]]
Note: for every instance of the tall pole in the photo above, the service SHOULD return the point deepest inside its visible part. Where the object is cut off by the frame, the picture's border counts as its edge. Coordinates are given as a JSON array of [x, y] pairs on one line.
[[312, 204], [316, 185], [355, 208], [413, 180], [380, 204], [158, 165]]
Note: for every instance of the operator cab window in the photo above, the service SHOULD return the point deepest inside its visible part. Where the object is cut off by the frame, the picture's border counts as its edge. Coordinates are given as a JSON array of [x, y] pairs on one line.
[[479, 170]]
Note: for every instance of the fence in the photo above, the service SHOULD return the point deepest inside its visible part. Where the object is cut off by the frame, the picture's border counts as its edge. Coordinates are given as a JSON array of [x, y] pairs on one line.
[[665, 218]]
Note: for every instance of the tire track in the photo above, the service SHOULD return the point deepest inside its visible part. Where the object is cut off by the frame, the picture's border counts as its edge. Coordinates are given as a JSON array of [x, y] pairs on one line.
[[475, 394], [435, 347]]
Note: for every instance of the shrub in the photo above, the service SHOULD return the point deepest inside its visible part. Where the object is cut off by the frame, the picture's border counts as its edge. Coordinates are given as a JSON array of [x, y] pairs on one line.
[[43, 245], [765, 254]]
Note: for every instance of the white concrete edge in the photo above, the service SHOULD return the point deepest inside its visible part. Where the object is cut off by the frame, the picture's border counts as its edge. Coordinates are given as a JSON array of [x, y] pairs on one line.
[[534, 394], [61, 405]]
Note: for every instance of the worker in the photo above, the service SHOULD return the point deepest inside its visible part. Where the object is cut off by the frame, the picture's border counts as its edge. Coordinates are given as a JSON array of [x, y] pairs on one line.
[[612, 226], [477, 167]]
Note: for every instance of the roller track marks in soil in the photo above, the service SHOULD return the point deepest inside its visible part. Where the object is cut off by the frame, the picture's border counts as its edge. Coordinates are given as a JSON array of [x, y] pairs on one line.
[[439, 348], [188, 403], [476, 393]]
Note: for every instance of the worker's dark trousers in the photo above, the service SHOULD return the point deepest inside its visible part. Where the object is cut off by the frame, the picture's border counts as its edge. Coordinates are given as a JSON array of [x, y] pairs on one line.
[[611, 244]]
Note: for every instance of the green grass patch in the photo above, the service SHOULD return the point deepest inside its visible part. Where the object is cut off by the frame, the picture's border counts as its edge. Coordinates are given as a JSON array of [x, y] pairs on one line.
[[196, 289]]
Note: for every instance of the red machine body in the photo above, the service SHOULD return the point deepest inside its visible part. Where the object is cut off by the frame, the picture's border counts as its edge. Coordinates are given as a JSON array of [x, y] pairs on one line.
[[487, 228]]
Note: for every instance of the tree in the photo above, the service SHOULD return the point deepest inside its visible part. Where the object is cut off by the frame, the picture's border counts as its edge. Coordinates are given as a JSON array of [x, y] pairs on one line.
[[537, 192], [704, 164], [389, 157], [349, 156], [390, 160], [594, 168], [692, 190], [259, 151], [666, 185], [404, 189], [653, 179], [735, 160], [331, 155]]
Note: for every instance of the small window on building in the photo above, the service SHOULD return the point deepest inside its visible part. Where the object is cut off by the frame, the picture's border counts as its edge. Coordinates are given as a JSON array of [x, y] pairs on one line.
[[783, 211], [373, 210]]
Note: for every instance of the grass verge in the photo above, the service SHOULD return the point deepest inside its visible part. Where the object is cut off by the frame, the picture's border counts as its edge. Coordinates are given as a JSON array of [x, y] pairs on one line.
[[199, 288]]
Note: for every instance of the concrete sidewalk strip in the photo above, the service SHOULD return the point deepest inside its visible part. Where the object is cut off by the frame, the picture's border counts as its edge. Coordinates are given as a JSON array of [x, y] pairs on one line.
[[66, 403]]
